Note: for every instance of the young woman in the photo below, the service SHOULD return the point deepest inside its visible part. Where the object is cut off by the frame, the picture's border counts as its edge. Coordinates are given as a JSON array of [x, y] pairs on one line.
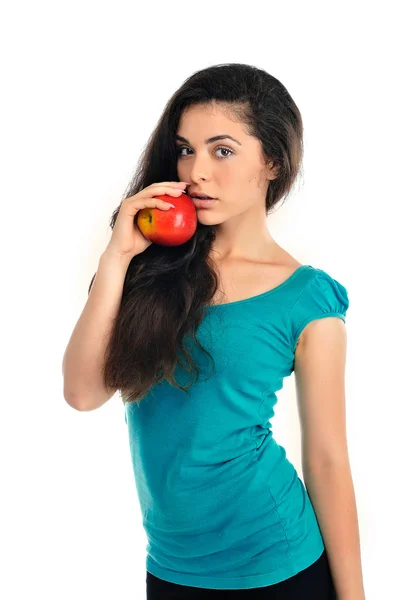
[[225, 512]]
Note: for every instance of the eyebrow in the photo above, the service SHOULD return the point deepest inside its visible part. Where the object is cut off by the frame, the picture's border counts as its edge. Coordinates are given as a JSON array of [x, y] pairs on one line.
[[212, 139]]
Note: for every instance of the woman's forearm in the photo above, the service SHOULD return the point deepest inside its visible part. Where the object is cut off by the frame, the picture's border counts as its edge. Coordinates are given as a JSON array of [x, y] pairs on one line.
[[330, 488]]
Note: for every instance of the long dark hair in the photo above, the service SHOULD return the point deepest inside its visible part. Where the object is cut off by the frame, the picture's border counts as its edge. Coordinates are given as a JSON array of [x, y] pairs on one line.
[[166, 288]]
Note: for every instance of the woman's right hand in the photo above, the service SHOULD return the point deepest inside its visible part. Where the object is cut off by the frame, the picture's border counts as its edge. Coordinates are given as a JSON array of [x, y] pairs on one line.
[[127, 239]]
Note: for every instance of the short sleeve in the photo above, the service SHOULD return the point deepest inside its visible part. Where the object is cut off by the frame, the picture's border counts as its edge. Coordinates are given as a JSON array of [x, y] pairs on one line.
[[322, 297]]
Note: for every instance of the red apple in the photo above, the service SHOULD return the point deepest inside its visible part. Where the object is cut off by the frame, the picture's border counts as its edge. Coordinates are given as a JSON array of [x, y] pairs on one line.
[[170, 227]]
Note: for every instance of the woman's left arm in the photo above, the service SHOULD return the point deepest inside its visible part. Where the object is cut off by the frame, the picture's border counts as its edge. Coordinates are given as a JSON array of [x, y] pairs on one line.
[[320, 359]]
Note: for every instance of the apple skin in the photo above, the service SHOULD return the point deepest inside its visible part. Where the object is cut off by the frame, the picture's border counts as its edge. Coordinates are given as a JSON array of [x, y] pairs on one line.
[[171, 227]]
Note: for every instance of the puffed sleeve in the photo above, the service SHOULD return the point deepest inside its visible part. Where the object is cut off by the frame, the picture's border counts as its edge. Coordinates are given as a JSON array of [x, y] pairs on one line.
[[322, 297]]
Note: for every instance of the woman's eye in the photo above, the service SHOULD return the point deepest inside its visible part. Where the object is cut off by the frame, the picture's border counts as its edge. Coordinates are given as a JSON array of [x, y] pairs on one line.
[[226, 150], [180, 148]]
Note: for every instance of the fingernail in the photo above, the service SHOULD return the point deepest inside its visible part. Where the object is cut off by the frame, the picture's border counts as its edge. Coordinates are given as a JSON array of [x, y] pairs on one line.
[[172, 205]]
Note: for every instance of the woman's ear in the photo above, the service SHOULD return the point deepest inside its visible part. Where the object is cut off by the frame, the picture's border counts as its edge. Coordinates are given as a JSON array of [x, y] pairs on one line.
[[273, 170]]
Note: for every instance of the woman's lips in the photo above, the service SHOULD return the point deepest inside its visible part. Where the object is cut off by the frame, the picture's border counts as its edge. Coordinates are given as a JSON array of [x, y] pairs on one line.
[[202, 203]]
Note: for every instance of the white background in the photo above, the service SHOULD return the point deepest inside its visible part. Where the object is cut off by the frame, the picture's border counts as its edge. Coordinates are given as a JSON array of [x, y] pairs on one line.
[[83, 84]]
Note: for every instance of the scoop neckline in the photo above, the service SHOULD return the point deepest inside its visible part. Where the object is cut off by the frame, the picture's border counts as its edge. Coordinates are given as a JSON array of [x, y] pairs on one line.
[[275, 289]]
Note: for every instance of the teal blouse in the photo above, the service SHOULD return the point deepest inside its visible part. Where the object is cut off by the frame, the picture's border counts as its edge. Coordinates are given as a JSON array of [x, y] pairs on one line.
[[222, 505]]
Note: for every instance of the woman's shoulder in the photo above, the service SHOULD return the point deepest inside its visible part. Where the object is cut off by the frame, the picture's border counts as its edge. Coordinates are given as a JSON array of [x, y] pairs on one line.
[[318, 295], [315, 278]]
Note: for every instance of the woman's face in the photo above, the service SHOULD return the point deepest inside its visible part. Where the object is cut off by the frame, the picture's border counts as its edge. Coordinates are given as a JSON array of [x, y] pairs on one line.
[[231, 171]]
